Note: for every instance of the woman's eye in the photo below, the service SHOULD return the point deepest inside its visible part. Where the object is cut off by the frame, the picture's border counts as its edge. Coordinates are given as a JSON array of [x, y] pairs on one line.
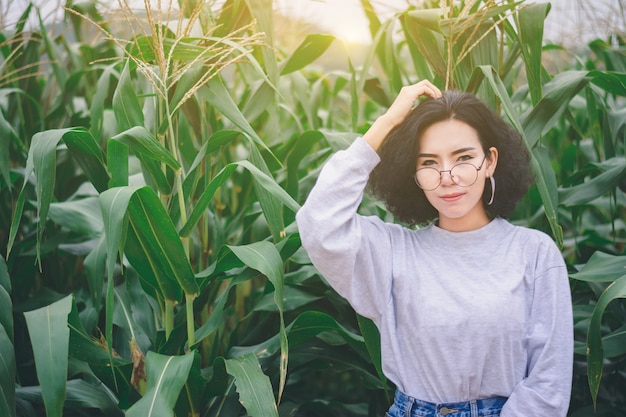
[[427, 163], [465, 158]]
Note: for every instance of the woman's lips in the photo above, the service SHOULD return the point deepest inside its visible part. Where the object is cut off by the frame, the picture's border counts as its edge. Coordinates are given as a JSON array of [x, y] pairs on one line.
[[450, 198]]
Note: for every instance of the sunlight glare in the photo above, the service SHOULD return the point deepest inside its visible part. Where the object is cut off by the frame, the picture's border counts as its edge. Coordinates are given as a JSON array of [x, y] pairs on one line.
[[351, 31]]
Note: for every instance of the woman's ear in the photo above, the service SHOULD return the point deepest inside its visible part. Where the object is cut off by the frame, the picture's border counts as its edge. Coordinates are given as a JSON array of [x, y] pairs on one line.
[[492, 161]]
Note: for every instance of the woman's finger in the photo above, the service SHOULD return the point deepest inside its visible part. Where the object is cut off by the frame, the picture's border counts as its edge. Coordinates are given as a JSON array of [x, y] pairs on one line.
[[424, 88], [407, 97]]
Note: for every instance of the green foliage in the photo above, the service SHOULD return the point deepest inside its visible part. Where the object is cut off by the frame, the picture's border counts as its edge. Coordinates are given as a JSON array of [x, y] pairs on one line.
[[49, 334], [7, 354], [165, 376], [149, 183]]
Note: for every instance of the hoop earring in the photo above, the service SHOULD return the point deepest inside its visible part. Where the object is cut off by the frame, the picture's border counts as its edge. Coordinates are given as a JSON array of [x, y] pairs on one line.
[[493, 189]]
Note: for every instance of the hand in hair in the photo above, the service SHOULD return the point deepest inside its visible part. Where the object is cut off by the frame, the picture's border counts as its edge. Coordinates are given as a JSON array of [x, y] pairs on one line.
[[398, 111]]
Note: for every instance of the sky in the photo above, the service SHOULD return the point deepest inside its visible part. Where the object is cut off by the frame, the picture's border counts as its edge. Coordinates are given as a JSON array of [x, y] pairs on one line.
[[346, 20]]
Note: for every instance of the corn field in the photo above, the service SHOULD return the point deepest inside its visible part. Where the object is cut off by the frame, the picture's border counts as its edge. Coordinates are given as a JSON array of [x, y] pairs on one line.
[[152, 160]]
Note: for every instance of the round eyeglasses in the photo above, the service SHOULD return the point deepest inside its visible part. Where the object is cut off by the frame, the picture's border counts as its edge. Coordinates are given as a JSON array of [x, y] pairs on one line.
[[463, 174]]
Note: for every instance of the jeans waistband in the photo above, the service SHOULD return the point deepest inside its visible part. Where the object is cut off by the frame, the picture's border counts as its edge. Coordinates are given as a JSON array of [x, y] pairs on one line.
[[480, 407]]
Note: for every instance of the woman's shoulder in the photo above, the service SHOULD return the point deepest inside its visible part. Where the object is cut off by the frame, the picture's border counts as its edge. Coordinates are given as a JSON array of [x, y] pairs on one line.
[[537, 245], [528, 234]]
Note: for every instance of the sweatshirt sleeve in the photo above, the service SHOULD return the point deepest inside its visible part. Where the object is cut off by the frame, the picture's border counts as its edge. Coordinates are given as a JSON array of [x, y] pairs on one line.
[[352, 252], [546, 389]]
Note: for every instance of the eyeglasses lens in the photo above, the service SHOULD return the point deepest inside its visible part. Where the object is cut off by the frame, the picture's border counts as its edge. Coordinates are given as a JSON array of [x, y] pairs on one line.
[[463, 175]]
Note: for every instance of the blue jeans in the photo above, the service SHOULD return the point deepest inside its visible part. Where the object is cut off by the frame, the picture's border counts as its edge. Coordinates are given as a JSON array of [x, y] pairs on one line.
[[405, 406]]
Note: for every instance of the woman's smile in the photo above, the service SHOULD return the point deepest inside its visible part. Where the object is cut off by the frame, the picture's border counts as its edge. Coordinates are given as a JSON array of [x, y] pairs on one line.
[[452, 197]]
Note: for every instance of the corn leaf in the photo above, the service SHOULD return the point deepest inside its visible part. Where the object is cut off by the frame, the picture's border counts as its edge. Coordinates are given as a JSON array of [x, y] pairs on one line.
[[59, 71], [371, 337], [293, 300], [264, 181], [95, 270], [484, 52], [265, 258], [595, 351], [545, 178], [96, 111], [80, 216], [149, 151], [43, 151], [420, 26], [613, 344], [140, 141], [530, 20], [205, 199], [601, 267], [301, 149], [17, 216], [126, 106], [6, 305], [161, 247], [543, 173], [458, 24], [307, 325], [49, 337], [262, 100], [7, 353], [165, 377], [253, 386], [42, 161], [386, 47], [226, 261], [610, 81], [90, 396], [307, 52], [7, 372], [7, 132], [262, 13], [114, 205], [183, 49], [269, 202], [84, 347], [558, 94], [85, 150], [419, 61], [216, 93], [117, 162], [614, 172]]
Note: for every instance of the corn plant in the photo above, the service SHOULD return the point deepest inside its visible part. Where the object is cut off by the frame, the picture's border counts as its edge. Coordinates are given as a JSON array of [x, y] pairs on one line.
[[163, 209]]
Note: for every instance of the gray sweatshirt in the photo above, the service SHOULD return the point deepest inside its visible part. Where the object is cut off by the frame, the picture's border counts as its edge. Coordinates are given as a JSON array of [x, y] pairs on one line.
[[462, 316]]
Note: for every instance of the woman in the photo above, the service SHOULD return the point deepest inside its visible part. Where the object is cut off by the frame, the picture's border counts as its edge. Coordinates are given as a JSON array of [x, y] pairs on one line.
[[474, 313]]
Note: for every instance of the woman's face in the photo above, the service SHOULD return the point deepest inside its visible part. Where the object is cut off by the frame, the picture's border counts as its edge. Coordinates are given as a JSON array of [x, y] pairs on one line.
[[442, 146]]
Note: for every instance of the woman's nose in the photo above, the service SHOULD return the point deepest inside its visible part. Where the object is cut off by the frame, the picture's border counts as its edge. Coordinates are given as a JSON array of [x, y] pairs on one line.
[[445, 177]]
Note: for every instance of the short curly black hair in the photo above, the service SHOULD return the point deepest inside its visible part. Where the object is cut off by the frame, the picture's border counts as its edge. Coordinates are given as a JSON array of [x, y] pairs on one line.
[[392, 181]]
